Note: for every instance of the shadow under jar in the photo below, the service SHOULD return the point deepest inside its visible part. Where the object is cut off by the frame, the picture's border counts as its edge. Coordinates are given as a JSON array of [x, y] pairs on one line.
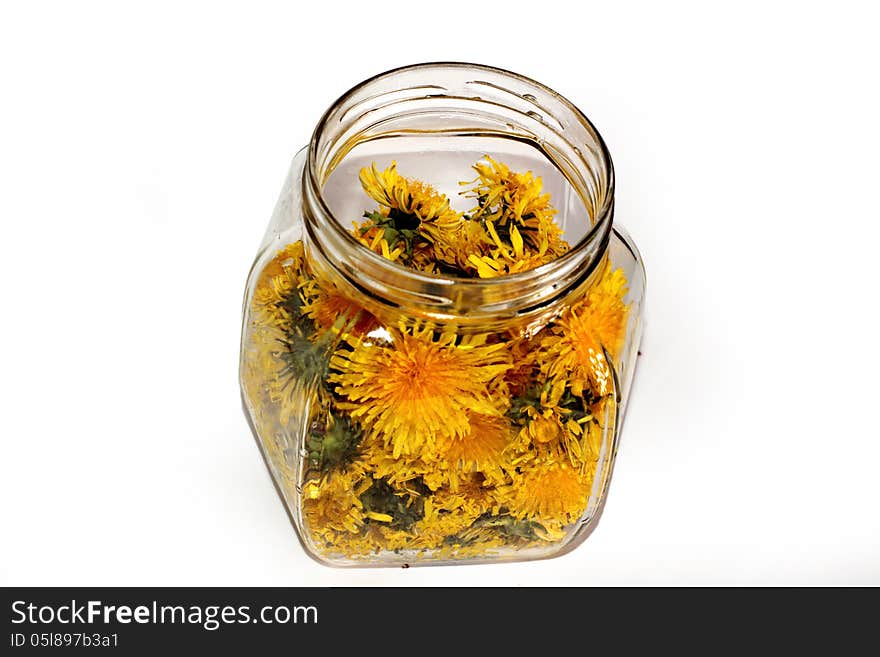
[[420, 416]]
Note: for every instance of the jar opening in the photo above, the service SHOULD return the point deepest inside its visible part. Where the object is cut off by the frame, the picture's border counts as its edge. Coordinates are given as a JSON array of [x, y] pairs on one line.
[[430, 114]]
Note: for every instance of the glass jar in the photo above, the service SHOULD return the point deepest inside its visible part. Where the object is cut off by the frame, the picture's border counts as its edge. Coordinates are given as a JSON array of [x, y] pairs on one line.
[[414, 416]]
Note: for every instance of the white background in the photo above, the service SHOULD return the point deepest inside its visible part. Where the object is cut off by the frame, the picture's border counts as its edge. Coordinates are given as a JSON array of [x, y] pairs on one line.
[[142, 147]]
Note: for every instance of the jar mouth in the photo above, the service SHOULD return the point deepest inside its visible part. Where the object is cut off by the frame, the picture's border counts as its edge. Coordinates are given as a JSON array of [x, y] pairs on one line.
[[458, 93]]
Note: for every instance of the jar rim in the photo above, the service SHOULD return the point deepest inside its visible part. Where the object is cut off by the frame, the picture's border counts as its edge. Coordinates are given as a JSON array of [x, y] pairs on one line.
[[524, 290]]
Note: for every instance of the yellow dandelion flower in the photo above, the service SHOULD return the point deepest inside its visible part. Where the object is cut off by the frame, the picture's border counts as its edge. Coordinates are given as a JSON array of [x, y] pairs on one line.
[[276, 313], [379, 462], [502, 263], [543, 429], [444, 515], [276, 293], [517, 221], [432, 530], [409, 205], [592, 442], [411, 197], [481, 448], [328, 308], [332, 504], [553, 424], [508, 200], [549, 490], [373, 538], [556, 434], [473, 496], [425, 259], [458, 246], [604, 309], [430, 469], [290, 258], [507, 195], [455, 459], [574, 347], [521, 375], [419, 388], [374, 239], [387, 538], [571, 352]]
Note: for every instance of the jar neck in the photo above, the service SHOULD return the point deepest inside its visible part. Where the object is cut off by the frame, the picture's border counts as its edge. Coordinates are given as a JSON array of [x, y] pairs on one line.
[[458, 100]]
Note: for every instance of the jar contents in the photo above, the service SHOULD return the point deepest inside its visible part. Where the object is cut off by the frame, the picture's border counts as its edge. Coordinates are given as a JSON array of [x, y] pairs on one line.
[[422, 438]]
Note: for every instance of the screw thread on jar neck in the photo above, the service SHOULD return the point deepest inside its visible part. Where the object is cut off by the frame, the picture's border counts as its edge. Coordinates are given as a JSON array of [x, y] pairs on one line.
[[450, 100]]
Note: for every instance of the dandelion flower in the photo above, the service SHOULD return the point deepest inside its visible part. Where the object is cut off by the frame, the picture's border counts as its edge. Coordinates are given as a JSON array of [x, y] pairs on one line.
[[474, 496], [518, 217], [378, 461], [373, 237], [277, 298], [508, 196], [543, 429], [332, 504], [551, 490], [329, 309], [412, 213], [445, 515], [457, 247], [421, 387], [409, 197], [481, 447], [290, 258], [502, 262], [482, 451], [604, 309], [571, 352]]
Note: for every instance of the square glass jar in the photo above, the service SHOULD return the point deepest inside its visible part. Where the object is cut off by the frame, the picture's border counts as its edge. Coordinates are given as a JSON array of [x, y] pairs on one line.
[[419, 416]]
